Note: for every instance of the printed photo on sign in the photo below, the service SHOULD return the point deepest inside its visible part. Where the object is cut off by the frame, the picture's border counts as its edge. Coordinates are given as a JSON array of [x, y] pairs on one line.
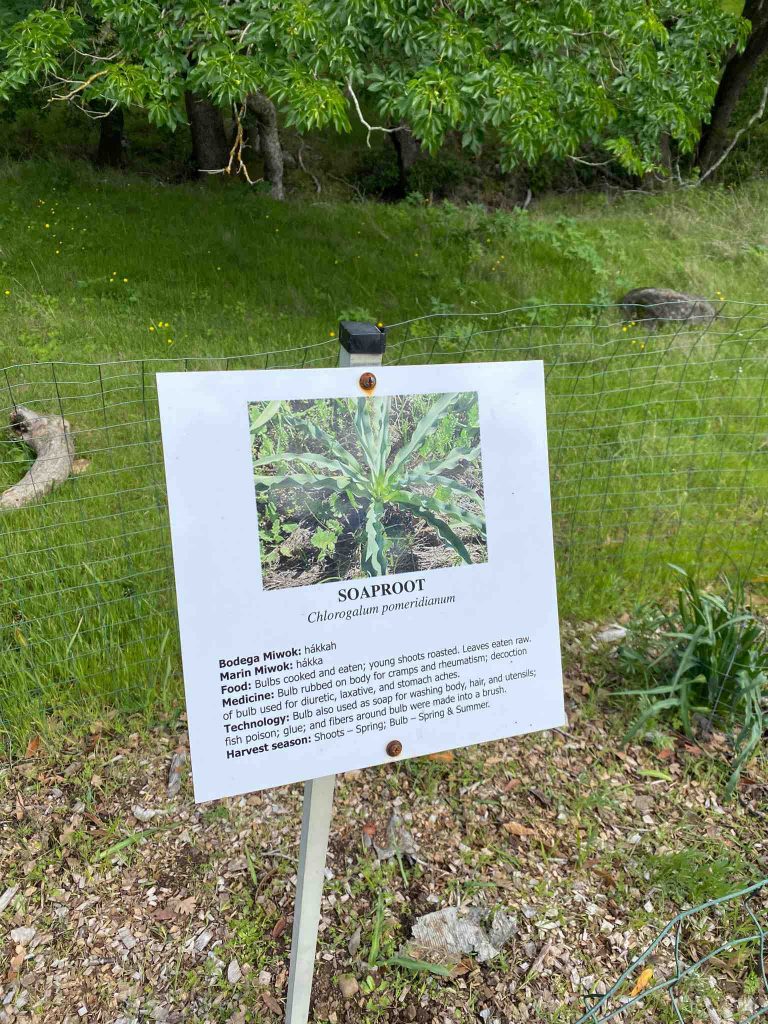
[[348, 488]]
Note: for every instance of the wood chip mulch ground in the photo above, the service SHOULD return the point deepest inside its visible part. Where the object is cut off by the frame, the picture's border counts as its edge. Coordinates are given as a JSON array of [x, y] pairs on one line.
[[123, 902]]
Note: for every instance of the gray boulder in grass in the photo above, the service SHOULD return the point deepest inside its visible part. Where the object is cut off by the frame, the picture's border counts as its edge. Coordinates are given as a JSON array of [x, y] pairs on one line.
[[656, 305]]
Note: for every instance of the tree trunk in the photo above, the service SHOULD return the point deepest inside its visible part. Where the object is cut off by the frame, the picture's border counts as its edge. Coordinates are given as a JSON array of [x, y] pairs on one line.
[[210, 149], [407, 151], [714, 137], [653, 180], [265, 114], [110, 151]]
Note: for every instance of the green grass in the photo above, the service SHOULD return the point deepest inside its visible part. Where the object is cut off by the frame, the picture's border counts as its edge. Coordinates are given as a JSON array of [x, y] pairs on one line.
[[655, 439], [233, 272]]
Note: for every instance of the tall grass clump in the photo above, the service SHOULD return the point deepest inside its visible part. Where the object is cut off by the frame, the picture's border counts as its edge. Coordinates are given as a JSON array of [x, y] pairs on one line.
[[700, 665]]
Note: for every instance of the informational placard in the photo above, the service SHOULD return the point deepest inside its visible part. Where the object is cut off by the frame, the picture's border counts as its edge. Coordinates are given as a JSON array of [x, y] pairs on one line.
[[361, 576]]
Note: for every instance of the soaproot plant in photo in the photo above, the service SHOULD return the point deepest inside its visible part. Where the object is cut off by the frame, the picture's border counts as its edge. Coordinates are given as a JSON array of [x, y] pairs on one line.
[[376, 475], [704, 664]]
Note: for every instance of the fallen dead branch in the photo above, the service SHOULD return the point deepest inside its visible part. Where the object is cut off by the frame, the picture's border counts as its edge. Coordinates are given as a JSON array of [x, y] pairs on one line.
[[50, 440]]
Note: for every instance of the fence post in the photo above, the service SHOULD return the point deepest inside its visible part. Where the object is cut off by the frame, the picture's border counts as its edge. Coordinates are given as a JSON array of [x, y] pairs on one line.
[[361, 344]]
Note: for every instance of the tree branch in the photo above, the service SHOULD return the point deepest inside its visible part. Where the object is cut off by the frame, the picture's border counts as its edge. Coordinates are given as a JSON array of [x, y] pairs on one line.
[[369, 127], [757, 116]]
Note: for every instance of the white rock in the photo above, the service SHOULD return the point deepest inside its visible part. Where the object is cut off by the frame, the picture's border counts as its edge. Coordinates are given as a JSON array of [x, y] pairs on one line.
[[354, 942], [234, 974], [23, 936], [348, 986], [126, 937], [611, 634], [7, 896], [456, 931], [143, 813]]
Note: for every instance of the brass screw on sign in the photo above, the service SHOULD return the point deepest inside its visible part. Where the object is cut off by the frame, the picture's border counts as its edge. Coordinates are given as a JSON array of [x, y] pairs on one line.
[[394, 748], [367, 381]]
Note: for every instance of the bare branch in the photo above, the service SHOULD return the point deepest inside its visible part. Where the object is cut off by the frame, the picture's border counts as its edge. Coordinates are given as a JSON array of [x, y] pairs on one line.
[[83, 85], [302, 165], [590, 163], [369, 127], [236, 164], [95, 56]]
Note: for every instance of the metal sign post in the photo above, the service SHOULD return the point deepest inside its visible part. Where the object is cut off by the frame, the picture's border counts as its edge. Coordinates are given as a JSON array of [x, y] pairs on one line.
[[315, 826], [362, 344]]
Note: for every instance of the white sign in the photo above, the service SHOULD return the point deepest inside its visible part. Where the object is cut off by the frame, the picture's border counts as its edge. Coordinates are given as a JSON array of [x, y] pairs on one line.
[[359, 575]]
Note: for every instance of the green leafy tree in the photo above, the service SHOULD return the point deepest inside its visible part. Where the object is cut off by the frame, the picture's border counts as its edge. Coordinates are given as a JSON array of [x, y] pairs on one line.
[[544, 78]]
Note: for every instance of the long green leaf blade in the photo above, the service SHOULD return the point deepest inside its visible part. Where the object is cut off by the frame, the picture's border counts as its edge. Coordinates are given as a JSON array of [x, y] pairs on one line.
[[364, 429], [374, 560], [327, 440], [269, 412], [457, 456], [305, 481], [309, 459], [410, 963], [443, 531], [442, 481], [383, 436], [454, 513], [423, 427]]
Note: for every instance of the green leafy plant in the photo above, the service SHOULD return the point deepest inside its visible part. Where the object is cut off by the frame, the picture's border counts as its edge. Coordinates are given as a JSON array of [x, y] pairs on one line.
[[382, 476], [326, 537], [703, 663]]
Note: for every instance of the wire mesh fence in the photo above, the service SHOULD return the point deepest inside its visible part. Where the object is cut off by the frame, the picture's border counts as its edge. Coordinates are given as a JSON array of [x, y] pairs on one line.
[[658, 446], [689, 961]]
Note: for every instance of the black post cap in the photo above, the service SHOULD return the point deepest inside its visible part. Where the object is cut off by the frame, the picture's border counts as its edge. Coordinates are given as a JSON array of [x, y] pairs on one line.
[[361, 338]]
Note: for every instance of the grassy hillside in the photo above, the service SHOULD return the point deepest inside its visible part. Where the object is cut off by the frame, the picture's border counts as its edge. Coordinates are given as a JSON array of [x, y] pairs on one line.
[[90, 262]]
